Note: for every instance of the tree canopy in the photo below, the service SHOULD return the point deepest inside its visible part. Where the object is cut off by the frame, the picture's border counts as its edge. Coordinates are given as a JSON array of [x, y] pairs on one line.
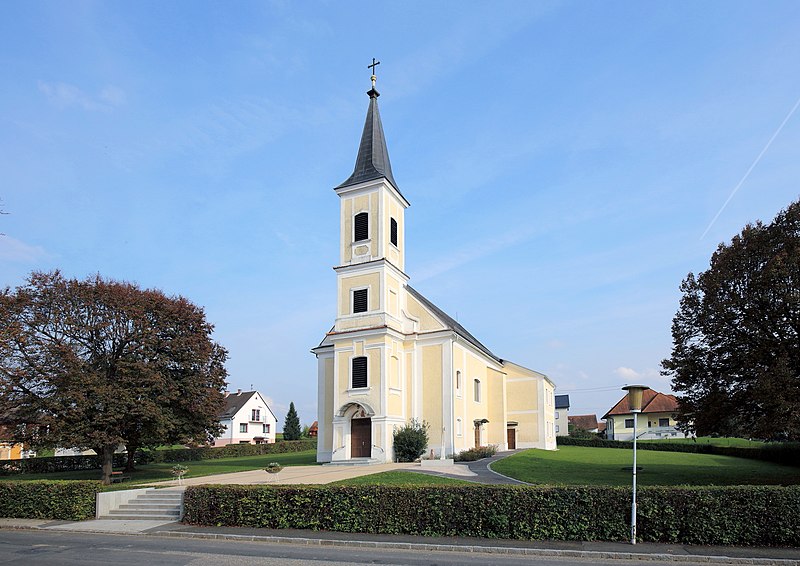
[[97, 363], [291, 426], [735, 361]]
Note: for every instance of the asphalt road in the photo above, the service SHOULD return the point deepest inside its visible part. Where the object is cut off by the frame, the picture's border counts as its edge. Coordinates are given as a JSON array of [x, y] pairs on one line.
[[46, 548]]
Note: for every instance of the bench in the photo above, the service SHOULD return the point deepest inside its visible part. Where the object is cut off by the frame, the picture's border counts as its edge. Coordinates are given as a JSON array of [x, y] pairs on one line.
[[118, 477]]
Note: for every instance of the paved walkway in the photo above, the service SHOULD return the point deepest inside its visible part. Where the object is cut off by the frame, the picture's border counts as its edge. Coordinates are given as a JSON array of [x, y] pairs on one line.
[[479, 471]]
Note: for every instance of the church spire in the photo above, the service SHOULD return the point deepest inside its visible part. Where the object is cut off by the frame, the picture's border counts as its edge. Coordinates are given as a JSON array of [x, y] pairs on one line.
[[373, 157]]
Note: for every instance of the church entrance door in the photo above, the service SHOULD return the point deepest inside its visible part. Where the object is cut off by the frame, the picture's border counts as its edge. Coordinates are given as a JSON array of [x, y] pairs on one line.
[[477, 435], [360, 438], [512, 439]]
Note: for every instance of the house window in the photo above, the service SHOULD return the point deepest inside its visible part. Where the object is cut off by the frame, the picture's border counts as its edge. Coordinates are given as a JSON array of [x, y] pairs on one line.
[[243, 427], [628, 423], [256, 415], [360, 300], [361, 227], [556, 415], [393, 231], [477, 392], [663, 422], [359, 372], [266, 429], [557, 428]]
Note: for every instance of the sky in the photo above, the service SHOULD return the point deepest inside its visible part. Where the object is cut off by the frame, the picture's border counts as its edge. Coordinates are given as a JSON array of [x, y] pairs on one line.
[[567, 163]]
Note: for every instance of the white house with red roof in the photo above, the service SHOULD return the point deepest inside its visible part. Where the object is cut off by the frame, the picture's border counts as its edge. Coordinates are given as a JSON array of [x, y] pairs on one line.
[[656, 421], [247, 420]]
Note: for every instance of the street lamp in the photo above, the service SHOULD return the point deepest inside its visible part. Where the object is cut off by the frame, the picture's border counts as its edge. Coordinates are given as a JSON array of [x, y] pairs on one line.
[[635, 404]]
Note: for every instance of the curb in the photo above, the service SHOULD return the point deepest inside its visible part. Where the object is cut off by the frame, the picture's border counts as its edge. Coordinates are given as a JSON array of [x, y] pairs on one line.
[[552, 553]]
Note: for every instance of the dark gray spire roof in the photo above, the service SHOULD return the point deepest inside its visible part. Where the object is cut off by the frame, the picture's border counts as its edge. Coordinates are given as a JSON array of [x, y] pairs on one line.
[[373, 158]]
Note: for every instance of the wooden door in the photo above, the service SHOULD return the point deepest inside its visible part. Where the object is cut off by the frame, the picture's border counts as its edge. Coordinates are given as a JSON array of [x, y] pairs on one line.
[[361, 438], [512, 438], [477, 436]]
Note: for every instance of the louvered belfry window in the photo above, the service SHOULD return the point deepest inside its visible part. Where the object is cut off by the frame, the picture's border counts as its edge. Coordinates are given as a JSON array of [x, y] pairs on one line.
[[393, 231], [362, 226], [359, 372], [360, 300]]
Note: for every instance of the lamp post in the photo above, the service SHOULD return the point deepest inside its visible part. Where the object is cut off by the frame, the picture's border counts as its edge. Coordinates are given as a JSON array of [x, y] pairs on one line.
[[635, 404]]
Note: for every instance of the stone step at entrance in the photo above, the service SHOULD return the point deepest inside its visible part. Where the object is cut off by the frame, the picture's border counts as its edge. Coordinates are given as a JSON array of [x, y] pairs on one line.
[[152, 505]]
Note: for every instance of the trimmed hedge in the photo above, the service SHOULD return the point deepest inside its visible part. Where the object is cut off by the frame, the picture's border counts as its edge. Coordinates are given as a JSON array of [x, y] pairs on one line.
[[787, 453], [44, 499], [73, 463], [227, 451], [763, 516]]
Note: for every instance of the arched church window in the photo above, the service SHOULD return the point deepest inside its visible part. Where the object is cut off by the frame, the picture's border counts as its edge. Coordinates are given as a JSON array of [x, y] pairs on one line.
[[359, 373], [477, 390], [393, 231], [361, 227], [458, 380]]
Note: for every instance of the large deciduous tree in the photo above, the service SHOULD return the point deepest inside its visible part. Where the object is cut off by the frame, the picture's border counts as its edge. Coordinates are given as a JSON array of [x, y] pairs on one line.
[[735, 360], [97, 363]]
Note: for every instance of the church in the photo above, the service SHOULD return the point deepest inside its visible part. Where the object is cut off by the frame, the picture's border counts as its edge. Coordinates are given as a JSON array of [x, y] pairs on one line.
[[392, 355]]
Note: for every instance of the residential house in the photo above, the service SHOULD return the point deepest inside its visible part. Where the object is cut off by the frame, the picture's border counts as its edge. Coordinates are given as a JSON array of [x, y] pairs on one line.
[[562, 415], [393, 355], [247, 420], [584, 422], [313, 430], [656, 420]]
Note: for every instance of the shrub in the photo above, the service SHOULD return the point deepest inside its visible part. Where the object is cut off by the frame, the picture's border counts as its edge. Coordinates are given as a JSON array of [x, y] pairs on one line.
[[43, 499], [690, 515], [477, 453], [787, 453], [410, 440]]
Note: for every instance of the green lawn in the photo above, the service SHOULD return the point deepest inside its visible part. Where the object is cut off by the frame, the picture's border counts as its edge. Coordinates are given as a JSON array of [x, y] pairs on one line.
[[401, 478], [159, 472], [578, 465]]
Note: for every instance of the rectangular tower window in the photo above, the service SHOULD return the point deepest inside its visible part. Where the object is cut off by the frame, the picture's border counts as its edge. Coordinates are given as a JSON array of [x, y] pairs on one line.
[[359, 372], [361, 227], [360, 300], [393, 231]]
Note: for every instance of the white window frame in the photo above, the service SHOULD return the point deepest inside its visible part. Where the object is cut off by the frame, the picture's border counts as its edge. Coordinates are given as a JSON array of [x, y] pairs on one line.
[[242, 428], [353, 299], [369, 228], [459, 384]]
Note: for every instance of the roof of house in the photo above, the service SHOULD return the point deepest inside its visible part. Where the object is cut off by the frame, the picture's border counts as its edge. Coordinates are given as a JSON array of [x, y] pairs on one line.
[[562, 401], [601, 426], [372, 161], [452, 324], [586, 422], [235, 401], [314, 426], [652, 402]]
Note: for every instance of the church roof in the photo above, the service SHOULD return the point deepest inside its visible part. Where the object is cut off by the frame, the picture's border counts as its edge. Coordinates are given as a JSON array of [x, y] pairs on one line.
[[452, 324], [372, 161]]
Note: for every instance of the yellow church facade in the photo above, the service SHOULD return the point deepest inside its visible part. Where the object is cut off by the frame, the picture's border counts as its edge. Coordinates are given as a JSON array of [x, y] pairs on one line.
[[393, 356]]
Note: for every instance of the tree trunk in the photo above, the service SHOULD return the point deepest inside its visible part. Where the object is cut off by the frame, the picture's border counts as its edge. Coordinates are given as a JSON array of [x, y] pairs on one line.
[[108, 462], [130, 464]]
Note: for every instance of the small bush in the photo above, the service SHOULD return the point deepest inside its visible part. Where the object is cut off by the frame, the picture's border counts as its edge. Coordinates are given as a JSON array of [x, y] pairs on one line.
[[410, 440], [683, 515], [477, 453], [43, 499]]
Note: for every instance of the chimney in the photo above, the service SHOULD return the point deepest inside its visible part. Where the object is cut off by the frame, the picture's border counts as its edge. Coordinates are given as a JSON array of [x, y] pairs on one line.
[[227, 393], [238, 391]]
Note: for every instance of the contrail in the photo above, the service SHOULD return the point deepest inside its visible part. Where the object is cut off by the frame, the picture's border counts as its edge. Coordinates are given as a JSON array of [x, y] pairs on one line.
[[746, 175]]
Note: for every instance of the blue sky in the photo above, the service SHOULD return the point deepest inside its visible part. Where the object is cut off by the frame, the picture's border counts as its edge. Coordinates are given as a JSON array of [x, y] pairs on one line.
[[563, 161]]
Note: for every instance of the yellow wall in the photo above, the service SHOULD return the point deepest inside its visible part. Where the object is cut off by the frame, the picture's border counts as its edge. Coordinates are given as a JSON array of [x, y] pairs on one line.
[[432, 391], [325, 412], [396, 211], [497, 406], [371, 280], [426, 321]]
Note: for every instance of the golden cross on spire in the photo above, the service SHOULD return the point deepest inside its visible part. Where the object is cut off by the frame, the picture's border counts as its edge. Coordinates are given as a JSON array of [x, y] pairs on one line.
[[375, 63]]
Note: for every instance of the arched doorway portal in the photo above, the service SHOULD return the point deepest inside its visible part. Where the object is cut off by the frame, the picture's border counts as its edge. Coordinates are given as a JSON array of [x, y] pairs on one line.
[[358, 422]]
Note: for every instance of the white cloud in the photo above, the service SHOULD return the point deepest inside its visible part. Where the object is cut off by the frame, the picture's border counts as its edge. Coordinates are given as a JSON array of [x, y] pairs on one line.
[[64, 95], [17, 251], [627, 373]]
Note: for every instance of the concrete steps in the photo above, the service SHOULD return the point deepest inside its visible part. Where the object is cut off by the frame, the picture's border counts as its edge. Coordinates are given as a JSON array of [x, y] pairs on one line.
[[152, 505], [355, 462]]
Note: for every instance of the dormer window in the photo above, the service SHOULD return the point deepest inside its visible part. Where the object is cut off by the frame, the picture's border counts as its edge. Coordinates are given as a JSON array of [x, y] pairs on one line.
[[393, 231], [360, 297], [361, 231]]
